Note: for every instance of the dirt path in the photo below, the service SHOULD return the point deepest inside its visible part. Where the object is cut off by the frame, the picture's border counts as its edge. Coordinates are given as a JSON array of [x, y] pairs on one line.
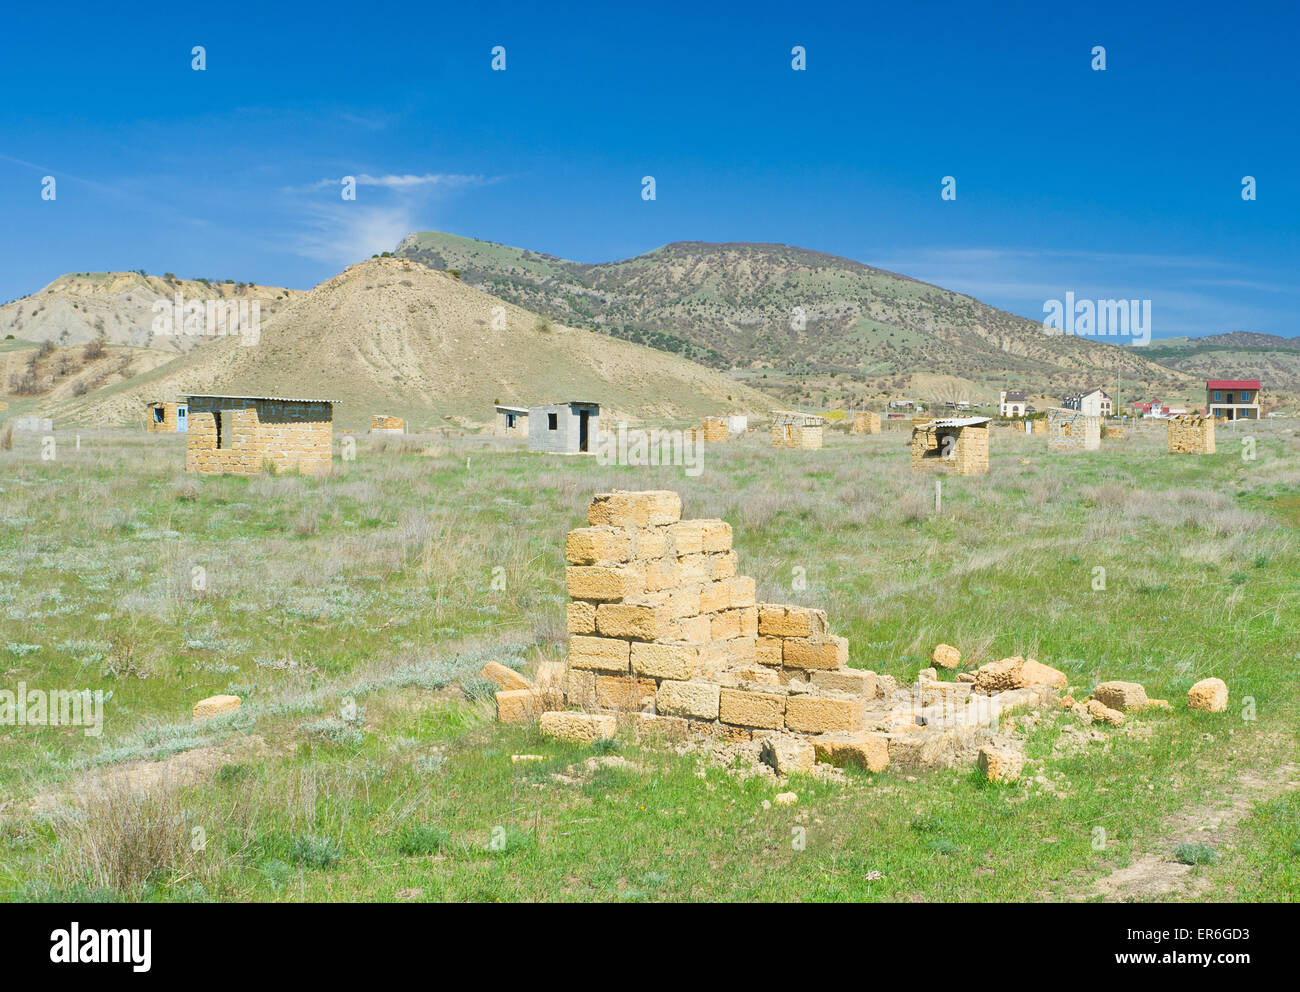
[[1156, 875]]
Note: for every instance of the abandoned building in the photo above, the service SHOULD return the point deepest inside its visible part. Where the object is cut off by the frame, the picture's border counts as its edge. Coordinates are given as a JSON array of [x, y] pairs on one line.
[[866, 423], [1191, 434], [241, 435], [1072, 430], [33, 424], [796, 430], [167, 418], [564, 428], [1232, 399], [511, 421], [951, 444], [712, 429], [381, 424]]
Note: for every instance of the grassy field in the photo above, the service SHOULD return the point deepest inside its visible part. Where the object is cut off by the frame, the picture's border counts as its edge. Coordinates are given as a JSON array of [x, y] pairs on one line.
[[353, 613]]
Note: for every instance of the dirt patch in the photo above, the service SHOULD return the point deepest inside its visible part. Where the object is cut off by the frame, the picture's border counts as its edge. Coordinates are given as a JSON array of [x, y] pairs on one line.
[[1157, 875]]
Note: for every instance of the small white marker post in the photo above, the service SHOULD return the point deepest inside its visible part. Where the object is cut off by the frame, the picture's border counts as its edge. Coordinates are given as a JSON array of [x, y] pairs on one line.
[[938, 495]]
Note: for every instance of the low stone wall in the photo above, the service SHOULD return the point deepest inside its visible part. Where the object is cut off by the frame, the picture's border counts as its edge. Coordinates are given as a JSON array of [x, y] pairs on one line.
[[380, 424], [1191, 434], [712, 429]]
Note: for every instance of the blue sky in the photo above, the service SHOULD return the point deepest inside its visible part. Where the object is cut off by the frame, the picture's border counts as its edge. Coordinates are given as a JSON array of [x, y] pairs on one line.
[[1124, 183]]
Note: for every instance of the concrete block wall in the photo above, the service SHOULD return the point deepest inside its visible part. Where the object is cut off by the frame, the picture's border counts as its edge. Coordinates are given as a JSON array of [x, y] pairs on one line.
[[960, 450], [1191, 434], [1070, 430], [288, 435], [565, 439]]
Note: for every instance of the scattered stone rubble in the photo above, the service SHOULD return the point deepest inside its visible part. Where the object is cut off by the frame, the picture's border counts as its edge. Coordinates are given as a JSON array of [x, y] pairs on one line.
[[667, 641], [215, 706]]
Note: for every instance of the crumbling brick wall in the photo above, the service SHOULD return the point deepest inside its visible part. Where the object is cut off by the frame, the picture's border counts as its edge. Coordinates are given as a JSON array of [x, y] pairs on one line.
[[796, 430], [286, 434], [866, 423], [1191, 434], [1071, 430], [961, 450]]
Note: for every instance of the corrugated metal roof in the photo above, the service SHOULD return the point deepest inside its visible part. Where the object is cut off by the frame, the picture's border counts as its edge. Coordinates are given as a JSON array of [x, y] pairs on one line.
[[243, 396]]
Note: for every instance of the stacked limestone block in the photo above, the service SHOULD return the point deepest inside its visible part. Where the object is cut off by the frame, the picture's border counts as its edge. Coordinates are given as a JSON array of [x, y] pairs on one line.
[[380, 424], [661, 624], [866, 423], [168, 424], [1191, 434], [285, 434], [796, 430], [962, 450], [712, 429], [1071, 430]]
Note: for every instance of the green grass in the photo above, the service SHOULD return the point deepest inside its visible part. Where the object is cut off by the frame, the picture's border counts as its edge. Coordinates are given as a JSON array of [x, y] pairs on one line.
[[353, 614]]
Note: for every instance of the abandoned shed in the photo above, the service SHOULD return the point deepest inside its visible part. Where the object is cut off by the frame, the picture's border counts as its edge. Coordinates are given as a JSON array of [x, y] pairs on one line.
[[711, 429], [1072, 430], [242, 434], [167, 418], [951, 444], [511, 421], [565, 428], [791, 429]]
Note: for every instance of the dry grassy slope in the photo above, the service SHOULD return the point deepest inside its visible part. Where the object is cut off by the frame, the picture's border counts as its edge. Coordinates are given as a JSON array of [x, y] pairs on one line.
[[734, 301], [389, 335], [119, 306]]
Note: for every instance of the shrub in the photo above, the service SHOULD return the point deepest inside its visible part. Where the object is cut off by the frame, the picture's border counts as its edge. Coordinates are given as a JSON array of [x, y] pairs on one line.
[[316, 852]]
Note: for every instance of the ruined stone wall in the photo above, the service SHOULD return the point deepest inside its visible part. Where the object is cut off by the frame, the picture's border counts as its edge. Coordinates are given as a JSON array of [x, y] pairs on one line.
[[1191, 435], [866, 423], [1070, 430], [287, 435], [796, 430], [660, 623], [711, 429], [168, 423], [961, 450]]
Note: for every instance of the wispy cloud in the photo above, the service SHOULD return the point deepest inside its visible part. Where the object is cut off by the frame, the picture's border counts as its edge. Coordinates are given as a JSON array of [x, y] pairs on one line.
[[340, 232]]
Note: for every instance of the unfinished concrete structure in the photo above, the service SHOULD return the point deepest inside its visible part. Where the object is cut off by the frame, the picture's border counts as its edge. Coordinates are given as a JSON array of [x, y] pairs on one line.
[[242, 435], [564, 428], [167, 418], [381, 424], [951, 444], [511, 421], [666, 637], [866, 423], [1072, 430], [791, 429], [1191, 434]]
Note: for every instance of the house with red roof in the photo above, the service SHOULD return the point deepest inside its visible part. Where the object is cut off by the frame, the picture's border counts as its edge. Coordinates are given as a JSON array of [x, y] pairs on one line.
[[1232, 399]]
